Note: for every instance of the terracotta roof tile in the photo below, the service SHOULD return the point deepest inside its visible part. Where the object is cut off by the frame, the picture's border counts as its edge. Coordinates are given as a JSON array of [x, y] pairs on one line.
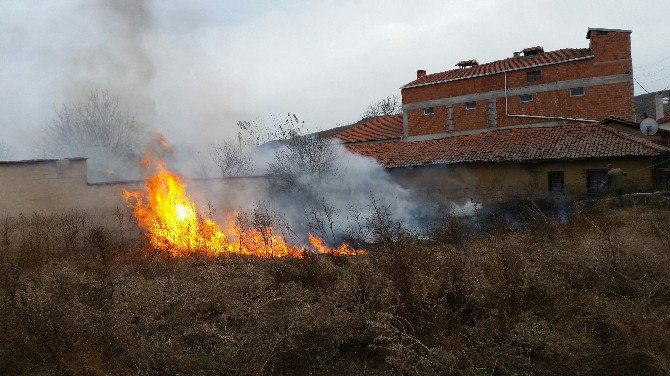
[[570, 141], [499, 66], [375, 129]]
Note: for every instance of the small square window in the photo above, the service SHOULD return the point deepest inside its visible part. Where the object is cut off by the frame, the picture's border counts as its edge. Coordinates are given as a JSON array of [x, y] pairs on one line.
[[596, 181], [577, 92], [533, 76], [523, 98], [556, 181], [470, 105], [429, 110]]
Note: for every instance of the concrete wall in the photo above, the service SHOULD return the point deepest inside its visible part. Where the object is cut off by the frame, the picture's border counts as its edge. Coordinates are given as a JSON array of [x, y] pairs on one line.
[[55, 186], [501, 181], [607, 80]]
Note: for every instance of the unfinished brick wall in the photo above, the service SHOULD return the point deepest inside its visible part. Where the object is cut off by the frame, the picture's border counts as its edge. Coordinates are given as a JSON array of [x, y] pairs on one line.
[[609, 92]]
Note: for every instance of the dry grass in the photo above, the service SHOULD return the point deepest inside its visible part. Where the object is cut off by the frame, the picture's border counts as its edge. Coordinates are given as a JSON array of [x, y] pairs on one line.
[[588, 297]]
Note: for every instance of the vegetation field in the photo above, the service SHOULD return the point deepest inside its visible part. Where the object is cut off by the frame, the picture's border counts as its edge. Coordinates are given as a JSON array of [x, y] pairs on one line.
[[586, 297]]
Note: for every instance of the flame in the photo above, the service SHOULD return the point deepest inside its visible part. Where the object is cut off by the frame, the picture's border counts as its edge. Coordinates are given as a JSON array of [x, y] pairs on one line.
[[172, 224], [321, 247], [170, 218]]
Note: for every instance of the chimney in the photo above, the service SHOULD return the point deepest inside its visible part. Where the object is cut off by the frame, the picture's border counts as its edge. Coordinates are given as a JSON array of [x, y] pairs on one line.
[[609, 44], [420, 73], [532, 51], [658, 99], [467, 63]]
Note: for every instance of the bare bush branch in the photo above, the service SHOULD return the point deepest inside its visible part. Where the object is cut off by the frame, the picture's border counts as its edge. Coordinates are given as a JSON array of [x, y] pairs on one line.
[[388, 106]]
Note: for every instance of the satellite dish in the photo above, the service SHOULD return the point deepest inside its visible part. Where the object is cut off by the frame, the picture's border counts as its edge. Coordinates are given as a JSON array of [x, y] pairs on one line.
[[649, 127]]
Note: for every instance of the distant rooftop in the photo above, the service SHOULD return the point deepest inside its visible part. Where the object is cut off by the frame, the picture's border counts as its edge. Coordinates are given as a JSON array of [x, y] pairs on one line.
[[506, 65], [27, 161], [374, 129], [521, 144]]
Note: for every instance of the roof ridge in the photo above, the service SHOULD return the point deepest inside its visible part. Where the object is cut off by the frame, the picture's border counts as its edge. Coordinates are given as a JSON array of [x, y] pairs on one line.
[[503, 65], [639, 140]]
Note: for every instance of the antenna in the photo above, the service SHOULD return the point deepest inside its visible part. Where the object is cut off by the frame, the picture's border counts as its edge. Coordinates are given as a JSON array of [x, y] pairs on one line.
[[649, 127]]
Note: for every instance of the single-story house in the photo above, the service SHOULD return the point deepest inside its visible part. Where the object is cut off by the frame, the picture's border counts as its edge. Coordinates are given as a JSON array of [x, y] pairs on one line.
[[511, 162]]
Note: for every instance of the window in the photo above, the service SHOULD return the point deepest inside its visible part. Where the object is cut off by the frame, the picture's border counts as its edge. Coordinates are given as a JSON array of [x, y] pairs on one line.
[[523, 98], [595, 180], [577, 92], [470, 105], [429, 110], [556, 181], [533, 76]]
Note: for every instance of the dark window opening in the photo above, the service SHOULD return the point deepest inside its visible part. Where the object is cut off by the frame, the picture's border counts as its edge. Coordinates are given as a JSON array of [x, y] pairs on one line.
[[577, 92], [661, 178], [596, 181], [429, 110], [470, 105], [533, 76], [523, 98], [556, 181]]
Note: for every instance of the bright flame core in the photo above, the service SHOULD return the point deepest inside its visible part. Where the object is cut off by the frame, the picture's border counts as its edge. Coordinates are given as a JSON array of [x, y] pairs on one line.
[[172, 224]]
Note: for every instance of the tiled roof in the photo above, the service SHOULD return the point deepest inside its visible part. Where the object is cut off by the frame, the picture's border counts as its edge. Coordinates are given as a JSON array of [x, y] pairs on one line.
[[570, 141], [374, 129], [617, 120], [513, 63]]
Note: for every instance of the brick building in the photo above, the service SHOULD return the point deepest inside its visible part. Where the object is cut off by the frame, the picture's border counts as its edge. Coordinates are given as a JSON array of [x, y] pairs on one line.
[[533, 86], [530, 125]]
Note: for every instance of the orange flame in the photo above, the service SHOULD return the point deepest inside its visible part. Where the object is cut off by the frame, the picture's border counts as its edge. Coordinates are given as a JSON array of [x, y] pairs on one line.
[[321, 247], [172, 223]]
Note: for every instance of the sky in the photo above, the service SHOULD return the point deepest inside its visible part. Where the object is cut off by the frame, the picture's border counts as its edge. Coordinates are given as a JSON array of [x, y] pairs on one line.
[[191, 69]]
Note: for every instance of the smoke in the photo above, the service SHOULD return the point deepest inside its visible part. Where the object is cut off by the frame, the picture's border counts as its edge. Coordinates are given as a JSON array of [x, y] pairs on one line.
[[154, 56], [5, 151], [317, 185]]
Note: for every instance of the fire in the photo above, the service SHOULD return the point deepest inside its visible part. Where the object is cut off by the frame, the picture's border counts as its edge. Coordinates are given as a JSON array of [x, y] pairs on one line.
[[170, 218], [172, 224], [321, 247]]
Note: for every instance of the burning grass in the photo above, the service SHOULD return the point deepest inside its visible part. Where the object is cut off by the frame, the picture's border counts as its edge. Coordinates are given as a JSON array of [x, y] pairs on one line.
[[173, 224], [590, 296]]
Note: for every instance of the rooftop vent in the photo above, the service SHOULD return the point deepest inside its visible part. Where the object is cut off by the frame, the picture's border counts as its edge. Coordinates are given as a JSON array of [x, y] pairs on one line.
[[467, 64], [532, 51]]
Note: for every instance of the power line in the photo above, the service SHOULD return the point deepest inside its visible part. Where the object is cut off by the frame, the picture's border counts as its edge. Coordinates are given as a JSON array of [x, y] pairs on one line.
[[652, 64], [656, 71], [638, 82], [652, 80]]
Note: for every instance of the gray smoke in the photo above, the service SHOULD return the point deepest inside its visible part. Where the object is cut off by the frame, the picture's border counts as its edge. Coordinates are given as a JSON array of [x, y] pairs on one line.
[[153, 56], [316, 185]]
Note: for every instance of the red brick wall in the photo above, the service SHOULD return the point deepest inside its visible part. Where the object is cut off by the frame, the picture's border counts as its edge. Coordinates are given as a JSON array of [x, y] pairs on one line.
[[612, 57], [598, 102], [428, 124], [476, 118]]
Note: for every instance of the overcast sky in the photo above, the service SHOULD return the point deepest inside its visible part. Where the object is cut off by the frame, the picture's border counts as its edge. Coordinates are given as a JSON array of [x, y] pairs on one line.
[[192, 68]]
